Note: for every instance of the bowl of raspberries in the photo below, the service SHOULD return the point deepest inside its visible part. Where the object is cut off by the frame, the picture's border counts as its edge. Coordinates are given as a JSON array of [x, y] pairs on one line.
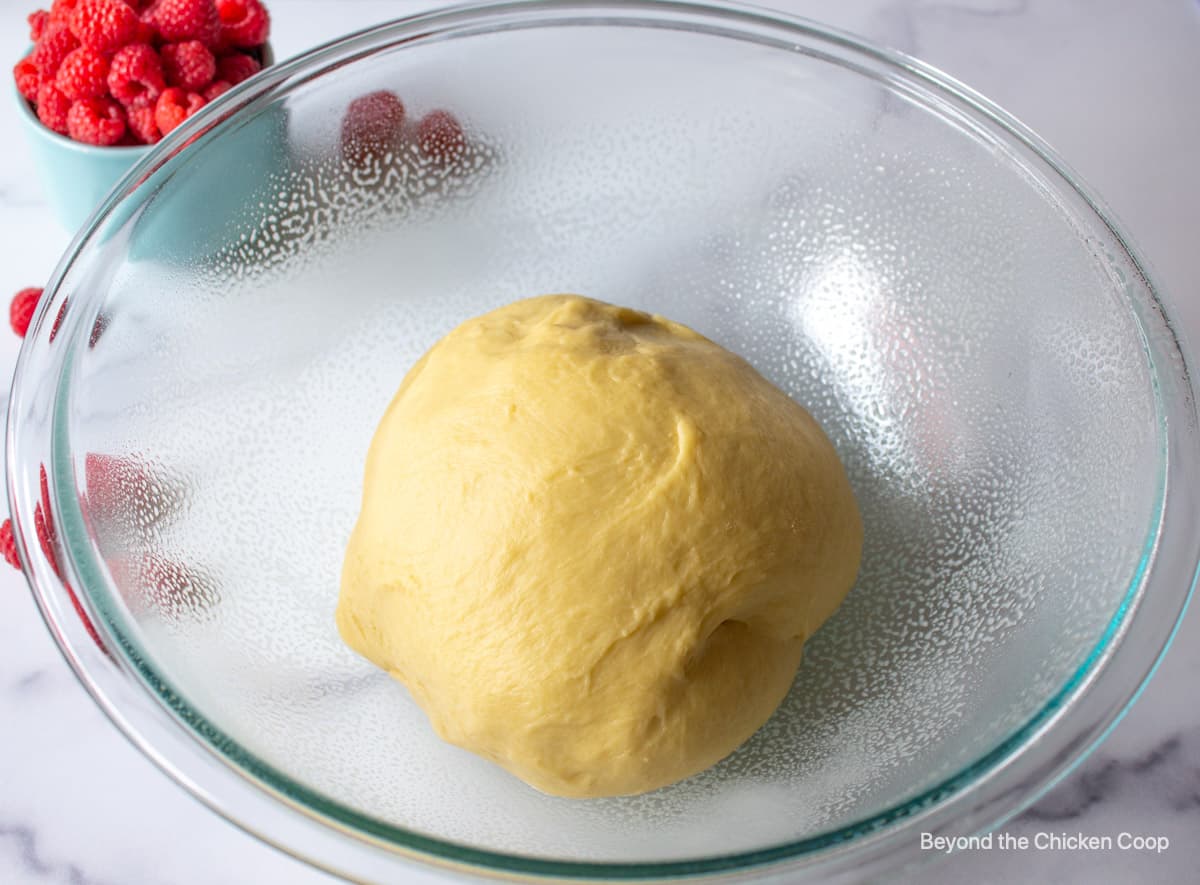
[[105, 79]]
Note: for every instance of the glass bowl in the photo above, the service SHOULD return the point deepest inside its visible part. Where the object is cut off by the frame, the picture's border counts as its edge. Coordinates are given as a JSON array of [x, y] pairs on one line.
[[193, 404]]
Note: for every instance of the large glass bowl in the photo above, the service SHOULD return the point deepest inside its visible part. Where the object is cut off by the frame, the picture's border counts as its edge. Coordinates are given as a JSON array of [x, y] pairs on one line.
[[193, 405]]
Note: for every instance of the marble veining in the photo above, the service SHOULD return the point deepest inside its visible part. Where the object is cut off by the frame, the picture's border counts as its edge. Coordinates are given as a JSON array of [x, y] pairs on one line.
[[1170, 771], [24, 839], [1109, 83]]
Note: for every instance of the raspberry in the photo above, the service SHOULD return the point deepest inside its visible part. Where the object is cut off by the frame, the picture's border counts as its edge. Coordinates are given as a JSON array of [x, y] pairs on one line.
[[8, 544], [59, 317], [174, 106], [25, 72], [188, 65], [104, 25], [440, 137], [130, 490], [244, 23], [52, 107], [236, 67], [101, 324], [178, 589], [83, 74], [135, 76], [178, 20], [216, 89], [370, 126], [38, 19], [44, 489], [43, 526], [142, 123], [56, 43], [20, 310], [60, 11], [96, 121], [79, 610], [108, 479]]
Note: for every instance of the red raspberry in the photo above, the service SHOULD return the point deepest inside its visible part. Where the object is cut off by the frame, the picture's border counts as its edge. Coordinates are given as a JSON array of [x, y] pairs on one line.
[[178, 20], [104, 25], [189, 65], [38, 19], [101, 324], [216, 89], [8, 544], [44, 528], [244, 23], [60, 11], [56, 43], [175, 588], [20, 310], [79, 610], [129, 490], [96, 121], [174, 106], [59, 317], [236, 67], [25, 72], [135, 76], [142, 123], [43, 524], [43, 519], [83, 74], [52, 107], [370, 126], [109, 480], [440, 137]]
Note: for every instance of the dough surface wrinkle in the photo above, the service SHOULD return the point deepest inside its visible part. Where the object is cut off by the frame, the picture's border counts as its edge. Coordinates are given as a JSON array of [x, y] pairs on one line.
[[592, 544]]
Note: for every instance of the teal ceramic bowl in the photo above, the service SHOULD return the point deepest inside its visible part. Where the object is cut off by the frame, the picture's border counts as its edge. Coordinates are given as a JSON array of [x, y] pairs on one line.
[[75, 176]]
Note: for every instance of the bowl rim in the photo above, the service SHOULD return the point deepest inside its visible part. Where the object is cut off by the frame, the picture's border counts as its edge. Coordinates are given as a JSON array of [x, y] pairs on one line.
[[290, 816]]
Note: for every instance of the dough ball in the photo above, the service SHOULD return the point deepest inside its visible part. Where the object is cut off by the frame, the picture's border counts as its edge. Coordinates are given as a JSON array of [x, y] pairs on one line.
[[592, 545]]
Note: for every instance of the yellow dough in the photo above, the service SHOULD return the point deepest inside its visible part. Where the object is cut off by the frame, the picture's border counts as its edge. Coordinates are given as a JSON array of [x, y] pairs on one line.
[[592, 545]]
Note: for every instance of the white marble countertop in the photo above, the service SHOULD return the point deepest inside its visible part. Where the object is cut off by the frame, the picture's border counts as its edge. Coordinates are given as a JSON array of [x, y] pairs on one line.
[[1114, 85]]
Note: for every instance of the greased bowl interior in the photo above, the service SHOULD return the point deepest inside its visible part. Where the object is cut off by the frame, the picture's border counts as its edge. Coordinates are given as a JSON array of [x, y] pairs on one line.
[[907, 262]]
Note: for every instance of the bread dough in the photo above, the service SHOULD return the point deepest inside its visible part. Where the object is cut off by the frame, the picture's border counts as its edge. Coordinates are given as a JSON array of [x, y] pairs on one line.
[[592, 545]]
